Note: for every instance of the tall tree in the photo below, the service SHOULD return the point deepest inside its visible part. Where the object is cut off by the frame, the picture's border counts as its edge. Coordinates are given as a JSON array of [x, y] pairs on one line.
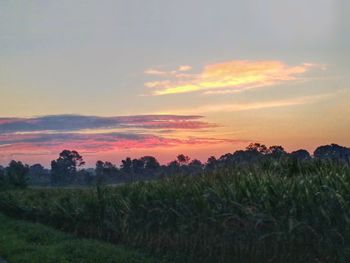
[[150, 163], [257, 147], [3, 180], [38, 174], [63, 169], [126, 166], [276, 151], [211, 163], [137, 166], [333, 152], [301, 154], [104, 170], [183, 159], [17, 174]]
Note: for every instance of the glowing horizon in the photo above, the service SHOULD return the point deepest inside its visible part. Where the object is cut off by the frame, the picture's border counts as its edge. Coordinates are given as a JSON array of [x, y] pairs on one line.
[[113, 79]]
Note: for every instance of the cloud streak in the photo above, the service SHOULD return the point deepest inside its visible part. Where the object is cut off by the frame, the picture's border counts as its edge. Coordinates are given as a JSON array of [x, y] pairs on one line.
[[177, 72], [229, 77], [66, 123], [51, 134], [100, 142]]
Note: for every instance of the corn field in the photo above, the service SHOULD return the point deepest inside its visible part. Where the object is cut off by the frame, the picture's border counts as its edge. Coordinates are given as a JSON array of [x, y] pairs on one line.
[[238, 215]]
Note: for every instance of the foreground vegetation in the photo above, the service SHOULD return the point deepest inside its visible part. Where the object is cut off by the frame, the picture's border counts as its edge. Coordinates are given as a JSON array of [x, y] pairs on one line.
[[252, 214], [25, 242]]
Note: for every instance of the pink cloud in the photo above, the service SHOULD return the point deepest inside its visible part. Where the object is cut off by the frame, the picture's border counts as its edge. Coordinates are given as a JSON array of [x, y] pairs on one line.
[[95, 143], [48, 135]]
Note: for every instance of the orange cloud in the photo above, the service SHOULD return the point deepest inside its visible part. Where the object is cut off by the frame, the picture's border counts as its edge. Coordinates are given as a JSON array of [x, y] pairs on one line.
[[178, 72], [231, 76]]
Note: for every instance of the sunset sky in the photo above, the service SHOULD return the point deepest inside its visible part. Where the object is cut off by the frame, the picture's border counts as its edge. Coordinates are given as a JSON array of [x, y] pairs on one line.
[[130, 78]]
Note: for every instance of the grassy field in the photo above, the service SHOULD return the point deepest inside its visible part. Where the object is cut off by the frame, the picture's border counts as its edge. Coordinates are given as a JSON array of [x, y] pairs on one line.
[[25, 242], [229, 216]]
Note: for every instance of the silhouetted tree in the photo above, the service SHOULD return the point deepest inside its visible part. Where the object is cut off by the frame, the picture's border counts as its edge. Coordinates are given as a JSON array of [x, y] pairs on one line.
[[37, 169], [16, 173], [301, 154], [84, 177], [276, 151], [99, 170], [195, 166], [247, 156], [257, 147], [63, 169], [105, 169], [137, 166], [126, 166], [226, 160], [3, 181], [183, 159], [195, 162], [150, 163], [211, 163], [173, 167], [333, 152], [38, 175]]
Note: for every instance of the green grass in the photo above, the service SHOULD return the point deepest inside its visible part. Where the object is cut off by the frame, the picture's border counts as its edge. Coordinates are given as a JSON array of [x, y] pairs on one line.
[[25, 242], [229, 216]]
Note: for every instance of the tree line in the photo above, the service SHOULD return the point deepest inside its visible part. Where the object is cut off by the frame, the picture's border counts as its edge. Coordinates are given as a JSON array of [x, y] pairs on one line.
[[68, 169]]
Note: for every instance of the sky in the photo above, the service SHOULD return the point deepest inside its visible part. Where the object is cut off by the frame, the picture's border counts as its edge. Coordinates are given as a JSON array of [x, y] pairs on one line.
[[131, 78]]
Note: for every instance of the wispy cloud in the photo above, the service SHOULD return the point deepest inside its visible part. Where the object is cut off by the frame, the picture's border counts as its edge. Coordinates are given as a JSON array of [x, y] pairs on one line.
[[78, 122], [155, 72], [51, 134], [178, 72], [53, 143], [230, 76], [184, 68]]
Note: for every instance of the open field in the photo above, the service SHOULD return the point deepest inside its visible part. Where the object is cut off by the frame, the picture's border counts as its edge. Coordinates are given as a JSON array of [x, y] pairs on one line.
[[175, 131], [228, 216], [26, 242]]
